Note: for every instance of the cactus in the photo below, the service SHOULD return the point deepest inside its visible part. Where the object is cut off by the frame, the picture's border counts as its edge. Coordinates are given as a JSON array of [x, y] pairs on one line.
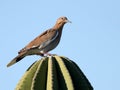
[[54, 73]]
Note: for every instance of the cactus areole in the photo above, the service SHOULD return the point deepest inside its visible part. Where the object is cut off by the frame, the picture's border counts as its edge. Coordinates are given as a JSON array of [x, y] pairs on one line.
[[54, 73]]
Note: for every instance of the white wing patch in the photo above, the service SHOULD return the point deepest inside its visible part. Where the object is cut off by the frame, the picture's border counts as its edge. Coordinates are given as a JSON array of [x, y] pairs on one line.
[[55, 36], [33, 46], [48, 41]]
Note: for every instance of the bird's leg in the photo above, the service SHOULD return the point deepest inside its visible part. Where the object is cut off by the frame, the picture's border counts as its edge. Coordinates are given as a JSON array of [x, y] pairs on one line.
[[48, 54]]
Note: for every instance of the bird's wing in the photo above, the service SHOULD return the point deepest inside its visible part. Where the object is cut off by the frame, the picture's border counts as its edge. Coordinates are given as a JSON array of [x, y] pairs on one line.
[[42, 40]]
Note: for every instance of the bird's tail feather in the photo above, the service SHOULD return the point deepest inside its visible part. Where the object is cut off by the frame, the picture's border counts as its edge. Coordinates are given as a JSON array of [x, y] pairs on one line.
[[16, 59]]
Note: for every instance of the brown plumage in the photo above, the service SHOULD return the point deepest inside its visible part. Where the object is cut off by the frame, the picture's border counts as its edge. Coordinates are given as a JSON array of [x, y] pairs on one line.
[[42, 44]]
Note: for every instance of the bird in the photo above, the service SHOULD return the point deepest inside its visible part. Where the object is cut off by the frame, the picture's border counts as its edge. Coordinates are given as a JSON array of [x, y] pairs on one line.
[[44, 43]]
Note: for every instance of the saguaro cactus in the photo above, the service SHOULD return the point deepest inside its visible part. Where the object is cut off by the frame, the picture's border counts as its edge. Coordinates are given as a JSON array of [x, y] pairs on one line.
[[54, 73]]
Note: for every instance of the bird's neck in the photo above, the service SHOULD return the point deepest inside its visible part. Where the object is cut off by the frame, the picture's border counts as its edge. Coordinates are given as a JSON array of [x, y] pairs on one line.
[[58, 26]]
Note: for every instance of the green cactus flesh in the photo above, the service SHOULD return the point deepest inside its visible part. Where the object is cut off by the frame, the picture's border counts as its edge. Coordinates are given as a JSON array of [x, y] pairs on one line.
[[54, 73]]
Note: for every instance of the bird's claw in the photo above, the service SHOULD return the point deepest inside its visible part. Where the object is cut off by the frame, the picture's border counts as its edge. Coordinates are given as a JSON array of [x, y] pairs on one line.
[[48, 54]]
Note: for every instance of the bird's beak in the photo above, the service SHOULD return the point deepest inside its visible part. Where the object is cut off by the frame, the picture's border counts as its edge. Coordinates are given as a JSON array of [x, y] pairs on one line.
[[67, 21]]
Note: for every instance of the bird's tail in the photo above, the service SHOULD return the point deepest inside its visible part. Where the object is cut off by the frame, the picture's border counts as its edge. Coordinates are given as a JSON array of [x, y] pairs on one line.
[[16, 59]]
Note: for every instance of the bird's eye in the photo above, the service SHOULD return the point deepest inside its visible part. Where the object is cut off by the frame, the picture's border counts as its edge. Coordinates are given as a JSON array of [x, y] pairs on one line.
[[62, 18]]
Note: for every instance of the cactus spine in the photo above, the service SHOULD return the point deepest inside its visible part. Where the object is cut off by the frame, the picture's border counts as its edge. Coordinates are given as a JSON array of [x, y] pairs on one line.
[[54, 73]]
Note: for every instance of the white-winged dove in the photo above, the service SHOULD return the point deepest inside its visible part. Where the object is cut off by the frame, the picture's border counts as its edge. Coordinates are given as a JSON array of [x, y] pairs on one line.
[[42, 44]]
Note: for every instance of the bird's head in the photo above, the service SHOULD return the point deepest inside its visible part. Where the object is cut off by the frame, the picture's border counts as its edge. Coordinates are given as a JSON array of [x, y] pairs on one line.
[[62, 20]]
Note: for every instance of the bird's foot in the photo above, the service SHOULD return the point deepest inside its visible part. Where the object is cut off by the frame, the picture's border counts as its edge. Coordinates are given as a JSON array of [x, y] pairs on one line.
[[48, 54], [45, 54]]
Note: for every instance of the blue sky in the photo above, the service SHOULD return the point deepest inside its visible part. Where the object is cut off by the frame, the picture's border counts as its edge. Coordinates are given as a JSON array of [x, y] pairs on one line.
[[92, 40]]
